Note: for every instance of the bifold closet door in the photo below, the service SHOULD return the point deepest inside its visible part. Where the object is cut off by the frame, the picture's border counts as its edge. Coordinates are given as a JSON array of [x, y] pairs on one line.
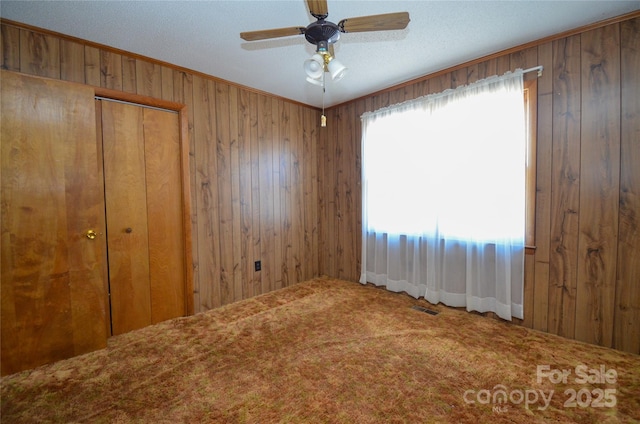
[[143, 202], [53, 256]]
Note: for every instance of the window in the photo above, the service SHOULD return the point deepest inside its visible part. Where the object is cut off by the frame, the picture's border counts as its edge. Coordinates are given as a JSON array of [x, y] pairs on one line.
[[449, 195], [411, 161]]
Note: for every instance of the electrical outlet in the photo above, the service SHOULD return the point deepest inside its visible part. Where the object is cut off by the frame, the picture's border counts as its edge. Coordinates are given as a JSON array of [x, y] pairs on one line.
[[257, 265]]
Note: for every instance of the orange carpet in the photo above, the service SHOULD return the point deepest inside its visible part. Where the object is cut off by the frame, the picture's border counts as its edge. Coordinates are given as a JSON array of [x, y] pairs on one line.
[[330, 351]]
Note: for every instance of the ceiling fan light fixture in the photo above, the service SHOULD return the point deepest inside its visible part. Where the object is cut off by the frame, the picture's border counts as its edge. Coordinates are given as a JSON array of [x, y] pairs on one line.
[[322, 47], [315, 81], [314, 66], [336, 69], [324, 34]]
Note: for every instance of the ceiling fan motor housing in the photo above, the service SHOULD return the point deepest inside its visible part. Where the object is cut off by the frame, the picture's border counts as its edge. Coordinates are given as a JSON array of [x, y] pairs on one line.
[[322, 30]]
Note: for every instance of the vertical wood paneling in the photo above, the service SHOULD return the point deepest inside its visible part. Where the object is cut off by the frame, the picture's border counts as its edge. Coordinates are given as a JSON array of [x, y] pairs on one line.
[[599, 185], [581, 255], [310, 192], [183, 93], [245, 194], [543, 187], [339, 180], [323, 212], [223, 180], [10, 42], [129, 75], [296, 184], [459, 78], [626, 330], [419, 89], [110, 70], [397, 96], [39, 54], [280, 135], [331, 199], [330, 157], [92, 66], [307, 195], [487, 68], [472, 74], [357, 177], [256, 280], [242, 145], [338, 197], [524, 59], [440, 83], [236, 211], [208, 244], [148, 79], [167, 83], [314, 212], [266, 192], [385, 99], [565, 186], [287, 218], [71, 61], [347, 215]]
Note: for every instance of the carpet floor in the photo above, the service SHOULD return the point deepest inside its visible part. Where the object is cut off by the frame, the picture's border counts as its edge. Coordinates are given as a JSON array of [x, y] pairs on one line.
[[331, 351]]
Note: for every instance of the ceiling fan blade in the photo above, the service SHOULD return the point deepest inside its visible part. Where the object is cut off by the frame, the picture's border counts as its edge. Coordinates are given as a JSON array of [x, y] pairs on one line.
[[271, 33], [318, 7], [384, 22]]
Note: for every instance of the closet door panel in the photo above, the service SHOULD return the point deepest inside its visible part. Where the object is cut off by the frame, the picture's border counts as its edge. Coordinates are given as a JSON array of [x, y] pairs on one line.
[[126, 210], [164, 208]]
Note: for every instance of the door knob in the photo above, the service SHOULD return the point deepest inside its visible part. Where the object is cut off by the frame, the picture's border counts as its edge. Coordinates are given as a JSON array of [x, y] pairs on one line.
[[91, 234], [128, 230]]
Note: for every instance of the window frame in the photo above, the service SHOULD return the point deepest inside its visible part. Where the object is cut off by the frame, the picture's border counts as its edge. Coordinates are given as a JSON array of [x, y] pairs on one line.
[[531, 123]]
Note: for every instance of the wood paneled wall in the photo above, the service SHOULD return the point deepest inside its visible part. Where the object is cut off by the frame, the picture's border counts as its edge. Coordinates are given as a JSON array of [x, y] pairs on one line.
[[583, 282], [253, 160], [268, 184]]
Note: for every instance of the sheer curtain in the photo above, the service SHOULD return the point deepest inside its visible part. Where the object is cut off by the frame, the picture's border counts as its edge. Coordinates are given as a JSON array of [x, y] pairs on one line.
[[443, 181]]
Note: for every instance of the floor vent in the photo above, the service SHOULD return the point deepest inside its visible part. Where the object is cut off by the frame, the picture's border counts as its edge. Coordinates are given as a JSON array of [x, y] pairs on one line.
[[422, 309]]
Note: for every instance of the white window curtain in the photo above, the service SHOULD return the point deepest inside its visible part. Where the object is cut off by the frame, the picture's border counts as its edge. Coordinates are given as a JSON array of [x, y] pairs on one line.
[[443, 181]]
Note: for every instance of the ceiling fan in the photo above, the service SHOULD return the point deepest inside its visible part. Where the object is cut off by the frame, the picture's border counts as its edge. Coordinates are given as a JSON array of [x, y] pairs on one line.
[[323, 34]]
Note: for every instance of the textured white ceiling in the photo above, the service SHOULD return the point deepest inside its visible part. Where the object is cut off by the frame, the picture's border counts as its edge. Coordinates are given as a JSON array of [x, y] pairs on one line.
[[204, 36]]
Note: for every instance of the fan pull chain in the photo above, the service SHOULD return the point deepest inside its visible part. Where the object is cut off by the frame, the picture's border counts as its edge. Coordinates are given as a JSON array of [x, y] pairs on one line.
[[323, 118]]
